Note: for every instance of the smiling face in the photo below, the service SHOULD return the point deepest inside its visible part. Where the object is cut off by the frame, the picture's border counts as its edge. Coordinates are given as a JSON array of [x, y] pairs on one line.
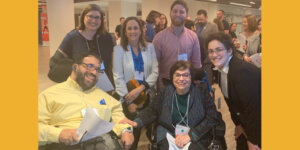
[[219, 14], [178, 15], [202, 18], [245, 24], [182, 80], [218, 54], [233, 27], [162, 19], [133, 31], [87, 77], [92, 20]]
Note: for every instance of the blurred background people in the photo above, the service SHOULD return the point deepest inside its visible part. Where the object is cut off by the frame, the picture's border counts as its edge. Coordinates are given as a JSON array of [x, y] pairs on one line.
[[249, 39], [232, 31], [203, 29], [220, 16], [219, 23], [134, 61], [162, 24], [144, 28], [190, 25], [152, 20], [118, 30]]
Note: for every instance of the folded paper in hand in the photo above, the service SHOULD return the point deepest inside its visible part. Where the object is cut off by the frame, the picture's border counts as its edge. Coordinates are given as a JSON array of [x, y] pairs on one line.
[[92, 126], [172, 145]]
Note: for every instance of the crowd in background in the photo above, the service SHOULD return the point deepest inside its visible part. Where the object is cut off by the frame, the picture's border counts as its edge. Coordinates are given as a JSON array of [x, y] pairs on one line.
[[154, 70]]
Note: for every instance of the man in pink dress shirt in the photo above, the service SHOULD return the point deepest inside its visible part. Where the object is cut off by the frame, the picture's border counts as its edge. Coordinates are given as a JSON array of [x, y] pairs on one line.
[[176, 43]]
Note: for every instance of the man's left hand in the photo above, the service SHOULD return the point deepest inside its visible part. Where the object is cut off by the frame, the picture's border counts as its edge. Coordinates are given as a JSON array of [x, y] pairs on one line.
[[127, 139], [181, 140]]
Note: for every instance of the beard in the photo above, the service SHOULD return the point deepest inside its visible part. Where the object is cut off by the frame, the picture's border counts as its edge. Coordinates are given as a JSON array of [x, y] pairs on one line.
[[177, 22], [82, 82]]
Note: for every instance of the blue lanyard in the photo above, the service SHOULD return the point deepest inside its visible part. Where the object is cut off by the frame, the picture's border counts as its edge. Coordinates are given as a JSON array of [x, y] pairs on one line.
[[205, 80], [138, 62]]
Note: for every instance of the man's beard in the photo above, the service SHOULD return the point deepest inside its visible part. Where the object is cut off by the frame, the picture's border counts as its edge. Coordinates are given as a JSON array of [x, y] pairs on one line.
[[176, 23], [80, 79]]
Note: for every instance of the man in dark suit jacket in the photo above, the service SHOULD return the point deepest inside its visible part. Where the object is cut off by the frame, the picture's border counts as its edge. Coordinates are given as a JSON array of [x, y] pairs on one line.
[[203, 30], [240, 83]]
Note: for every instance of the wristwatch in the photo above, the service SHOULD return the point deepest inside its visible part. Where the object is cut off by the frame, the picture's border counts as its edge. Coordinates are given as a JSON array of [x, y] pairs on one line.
[[129, 129]]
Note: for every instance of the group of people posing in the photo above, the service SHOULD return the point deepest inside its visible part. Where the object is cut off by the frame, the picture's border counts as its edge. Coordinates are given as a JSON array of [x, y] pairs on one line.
[[154, 73]]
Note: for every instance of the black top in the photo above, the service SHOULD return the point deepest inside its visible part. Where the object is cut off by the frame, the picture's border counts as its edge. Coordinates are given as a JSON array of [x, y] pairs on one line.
[[226, 25], [118, 30], [75, 44]]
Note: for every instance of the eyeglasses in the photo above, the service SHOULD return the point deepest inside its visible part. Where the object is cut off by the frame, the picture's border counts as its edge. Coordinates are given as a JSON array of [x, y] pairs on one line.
[[185, 75], [91, 67], [217, 51], [90, 17]]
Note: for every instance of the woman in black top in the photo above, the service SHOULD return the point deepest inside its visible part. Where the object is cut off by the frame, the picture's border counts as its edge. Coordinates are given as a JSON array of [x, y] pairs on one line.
[[89, 36]]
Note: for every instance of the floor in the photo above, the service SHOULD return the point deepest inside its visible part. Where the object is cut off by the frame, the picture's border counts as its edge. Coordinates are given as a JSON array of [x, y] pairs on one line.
[[44, 83]]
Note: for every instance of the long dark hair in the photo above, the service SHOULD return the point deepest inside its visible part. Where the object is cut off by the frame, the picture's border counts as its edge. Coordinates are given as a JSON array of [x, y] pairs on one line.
[[124, 38]]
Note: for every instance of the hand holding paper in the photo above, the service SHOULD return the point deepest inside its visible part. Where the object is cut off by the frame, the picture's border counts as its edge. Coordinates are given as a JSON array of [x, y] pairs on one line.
[[92, 126], [173, 146]]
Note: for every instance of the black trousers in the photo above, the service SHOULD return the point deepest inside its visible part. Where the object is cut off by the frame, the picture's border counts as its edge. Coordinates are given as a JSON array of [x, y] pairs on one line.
[[241, 143]]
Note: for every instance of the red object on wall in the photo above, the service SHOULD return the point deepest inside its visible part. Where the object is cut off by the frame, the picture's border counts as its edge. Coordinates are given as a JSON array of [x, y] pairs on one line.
[[45, 29]]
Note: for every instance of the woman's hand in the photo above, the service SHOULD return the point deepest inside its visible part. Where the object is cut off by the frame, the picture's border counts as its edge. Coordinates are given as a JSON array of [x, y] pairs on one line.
[[247, 59], [127, 121], [182, 140], [132, 95], [132, 108], [239, 130]]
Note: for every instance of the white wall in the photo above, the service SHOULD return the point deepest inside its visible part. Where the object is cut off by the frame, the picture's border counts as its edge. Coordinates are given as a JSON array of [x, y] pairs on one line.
[[60, 21]]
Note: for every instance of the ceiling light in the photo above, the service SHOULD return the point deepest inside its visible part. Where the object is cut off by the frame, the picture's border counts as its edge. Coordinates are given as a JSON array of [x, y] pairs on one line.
[[252, 3], [238, 4]]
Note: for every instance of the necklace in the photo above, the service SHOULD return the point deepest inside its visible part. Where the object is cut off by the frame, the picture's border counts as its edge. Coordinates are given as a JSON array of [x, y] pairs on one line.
[[186, 113]]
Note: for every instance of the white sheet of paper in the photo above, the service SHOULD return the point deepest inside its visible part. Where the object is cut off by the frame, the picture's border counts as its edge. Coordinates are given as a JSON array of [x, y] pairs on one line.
[[256, 59], [183, 56], [92, 125], [172, 145], [138, 75], [83, 111], [242, 40], [104, 83]]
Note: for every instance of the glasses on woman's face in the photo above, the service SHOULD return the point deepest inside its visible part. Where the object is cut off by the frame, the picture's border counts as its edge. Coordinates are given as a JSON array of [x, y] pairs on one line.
[[217, 51], [90, 17], [91, 67], [185, 75]]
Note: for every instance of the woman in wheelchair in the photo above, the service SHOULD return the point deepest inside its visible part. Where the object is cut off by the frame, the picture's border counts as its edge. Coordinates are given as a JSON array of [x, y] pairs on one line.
[[184, 110]]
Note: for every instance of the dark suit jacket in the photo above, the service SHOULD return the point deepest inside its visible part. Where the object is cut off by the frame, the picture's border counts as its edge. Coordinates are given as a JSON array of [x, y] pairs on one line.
[[202, 114], [210, 28], [244, 97]]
